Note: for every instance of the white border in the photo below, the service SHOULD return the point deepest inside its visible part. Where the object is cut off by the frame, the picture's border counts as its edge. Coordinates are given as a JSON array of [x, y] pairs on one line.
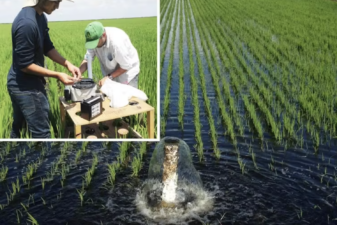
[[158, 70], [115, 140]]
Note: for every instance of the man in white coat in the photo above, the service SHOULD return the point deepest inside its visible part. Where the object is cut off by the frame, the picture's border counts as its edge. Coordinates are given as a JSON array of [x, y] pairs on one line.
[[118, 58]]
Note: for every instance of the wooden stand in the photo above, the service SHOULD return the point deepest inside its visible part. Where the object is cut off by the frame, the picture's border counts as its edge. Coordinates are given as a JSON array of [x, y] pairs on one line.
[[109, 114]]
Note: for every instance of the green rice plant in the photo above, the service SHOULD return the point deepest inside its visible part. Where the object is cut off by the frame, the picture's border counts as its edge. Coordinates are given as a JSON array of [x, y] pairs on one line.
[[81, 194], [123, 150], [43, 201], [136, 165], [78, 156], [84, 145], [9, 197], [242, 165], [18, 216], [299, 213], [137, 160], [173, 14], [43, 182], [31, 197], [64, 171], [89, 174], [59, 196], [31, 169], [169, 72], [168, 15], [2, 206], [213, 133], [254, 160], [182, 96], [251, 109], [16, 186], [8, 148], [53, 171], [112, 168], [87, 178], [143, 149], [195, 101], [3, 173], [31, 219]]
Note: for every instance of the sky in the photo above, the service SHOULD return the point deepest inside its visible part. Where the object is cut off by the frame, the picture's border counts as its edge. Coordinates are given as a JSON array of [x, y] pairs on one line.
[[86, 9]]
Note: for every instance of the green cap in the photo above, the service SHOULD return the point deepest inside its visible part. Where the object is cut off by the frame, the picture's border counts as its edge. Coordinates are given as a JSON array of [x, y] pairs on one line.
[[93, 32]]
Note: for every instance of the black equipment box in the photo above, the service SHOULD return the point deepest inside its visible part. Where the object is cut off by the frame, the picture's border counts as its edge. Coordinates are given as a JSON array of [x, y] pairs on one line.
[[91, 107]]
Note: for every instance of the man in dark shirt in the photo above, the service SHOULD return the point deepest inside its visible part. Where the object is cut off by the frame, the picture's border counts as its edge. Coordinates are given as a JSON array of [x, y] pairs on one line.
[[25, 81]]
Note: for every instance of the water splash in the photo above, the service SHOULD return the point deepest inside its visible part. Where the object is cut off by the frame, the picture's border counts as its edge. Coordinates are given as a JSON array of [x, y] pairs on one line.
[[191, 201], [173, 191]]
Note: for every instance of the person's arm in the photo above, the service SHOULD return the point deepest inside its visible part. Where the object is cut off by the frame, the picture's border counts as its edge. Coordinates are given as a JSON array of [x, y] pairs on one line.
[[119, 71], [53, 54], [40, 71], [84, 66], [25, 40], [56, 57]]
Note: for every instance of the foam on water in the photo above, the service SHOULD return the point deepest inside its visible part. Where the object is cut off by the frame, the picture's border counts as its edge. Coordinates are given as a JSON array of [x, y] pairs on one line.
[[191, 202]]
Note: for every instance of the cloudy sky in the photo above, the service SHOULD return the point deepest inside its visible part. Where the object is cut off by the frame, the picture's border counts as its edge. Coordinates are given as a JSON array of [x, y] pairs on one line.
[[86, 9]]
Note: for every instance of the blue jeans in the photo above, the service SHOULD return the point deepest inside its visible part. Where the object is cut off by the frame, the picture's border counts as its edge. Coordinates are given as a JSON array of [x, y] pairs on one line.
[[31, 106]]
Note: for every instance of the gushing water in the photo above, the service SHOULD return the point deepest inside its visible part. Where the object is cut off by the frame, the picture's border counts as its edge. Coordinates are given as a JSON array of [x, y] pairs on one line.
[[170, 177], [173, 191], [190, 202]]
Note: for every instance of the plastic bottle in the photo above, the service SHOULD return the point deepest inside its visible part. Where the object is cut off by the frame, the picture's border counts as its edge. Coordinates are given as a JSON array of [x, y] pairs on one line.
[[89, 61]]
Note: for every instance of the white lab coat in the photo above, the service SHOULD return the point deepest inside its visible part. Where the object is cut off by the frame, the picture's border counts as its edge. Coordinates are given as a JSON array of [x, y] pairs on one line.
[[118, 50]]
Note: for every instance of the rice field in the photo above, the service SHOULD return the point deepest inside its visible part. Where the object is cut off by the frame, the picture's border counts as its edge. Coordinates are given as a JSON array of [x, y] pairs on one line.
[[250, 85], [41, 180], [245, 71], [68, 39]]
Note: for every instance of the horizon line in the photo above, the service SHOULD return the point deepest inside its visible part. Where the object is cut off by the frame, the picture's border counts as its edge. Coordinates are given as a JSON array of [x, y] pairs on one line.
[[50, 21]]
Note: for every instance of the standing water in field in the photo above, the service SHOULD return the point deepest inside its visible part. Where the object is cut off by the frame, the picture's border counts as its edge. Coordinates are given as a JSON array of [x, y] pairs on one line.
[[173, 191]]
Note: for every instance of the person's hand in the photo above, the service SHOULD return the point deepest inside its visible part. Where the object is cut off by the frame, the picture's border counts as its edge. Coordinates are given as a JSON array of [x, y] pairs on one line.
[[65, 79], [75, 71], [101, 82]]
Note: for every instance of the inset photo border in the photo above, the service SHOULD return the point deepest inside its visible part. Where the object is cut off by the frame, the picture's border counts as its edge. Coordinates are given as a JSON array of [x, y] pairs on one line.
[[91, 75]]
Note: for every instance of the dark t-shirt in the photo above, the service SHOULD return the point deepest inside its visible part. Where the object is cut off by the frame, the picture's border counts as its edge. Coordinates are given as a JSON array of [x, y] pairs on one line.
[[30, 42]]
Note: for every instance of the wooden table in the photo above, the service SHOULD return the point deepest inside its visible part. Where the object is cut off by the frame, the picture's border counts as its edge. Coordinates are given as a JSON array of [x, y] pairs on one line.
[[108, 114]]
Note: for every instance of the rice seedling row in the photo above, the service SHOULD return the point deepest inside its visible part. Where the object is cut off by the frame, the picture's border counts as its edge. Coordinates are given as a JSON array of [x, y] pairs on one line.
[[216, 82], [207, 104], [137, 162], [166, 33], [182, 96], [169, 74], [194, 92], [164, 21]]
